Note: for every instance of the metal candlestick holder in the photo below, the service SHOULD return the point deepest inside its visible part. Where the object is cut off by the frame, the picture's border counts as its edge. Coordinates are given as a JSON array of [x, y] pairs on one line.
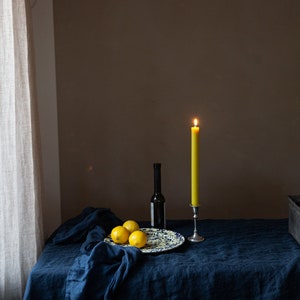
[[195, 237]]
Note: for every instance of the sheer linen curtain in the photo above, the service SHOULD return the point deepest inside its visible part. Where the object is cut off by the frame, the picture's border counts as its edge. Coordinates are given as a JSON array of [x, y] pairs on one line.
[[21, 235]]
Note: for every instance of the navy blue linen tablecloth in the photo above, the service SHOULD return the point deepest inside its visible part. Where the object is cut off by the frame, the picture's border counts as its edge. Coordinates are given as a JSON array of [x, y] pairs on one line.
[[239, 259]]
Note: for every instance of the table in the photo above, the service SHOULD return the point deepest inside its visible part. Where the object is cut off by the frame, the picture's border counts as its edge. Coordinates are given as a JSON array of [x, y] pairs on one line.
[[239, 259]]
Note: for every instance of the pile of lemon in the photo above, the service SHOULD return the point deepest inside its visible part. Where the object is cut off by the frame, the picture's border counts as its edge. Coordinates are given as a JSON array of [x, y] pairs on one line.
[[130, 233]]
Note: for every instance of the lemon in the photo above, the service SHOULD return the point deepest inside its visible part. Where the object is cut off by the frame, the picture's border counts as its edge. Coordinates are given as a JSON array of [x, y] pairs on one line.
[[131, 225], [119, 235], [138, 239]]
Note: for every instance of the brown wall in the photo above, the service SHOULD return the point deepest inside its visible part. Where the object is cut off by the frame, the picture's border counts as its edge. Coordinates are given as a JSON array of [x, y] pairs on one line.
[[131, 75]]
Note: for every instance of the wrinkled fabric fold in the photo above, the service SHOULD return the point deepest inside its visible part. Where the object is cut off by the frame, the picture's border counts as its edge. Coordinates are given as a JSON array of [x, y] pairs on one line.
[[100, 268], [76, 229], [97, 275]]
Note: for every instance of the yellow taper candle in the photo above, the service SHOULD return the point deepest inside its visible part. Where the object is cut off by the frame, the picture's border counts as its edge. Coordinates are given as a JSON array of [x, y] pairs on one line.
[[195, 164]]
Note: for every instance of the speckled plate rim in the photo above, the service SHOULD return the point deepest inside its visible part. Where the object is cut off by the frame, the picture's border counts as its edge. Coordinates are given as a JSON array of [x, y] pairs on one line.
[[158, 240]]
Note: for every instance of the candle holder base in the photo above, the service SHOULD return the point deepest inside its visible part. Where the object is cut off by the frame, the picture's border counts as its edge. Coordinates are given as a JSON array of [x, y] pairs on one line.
[[195, 238]]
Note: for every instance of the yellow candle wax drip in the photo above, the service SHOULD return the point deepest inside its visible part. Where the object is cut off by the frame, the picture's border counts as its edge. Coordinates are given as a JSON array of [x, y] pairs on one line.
[[195, 164]]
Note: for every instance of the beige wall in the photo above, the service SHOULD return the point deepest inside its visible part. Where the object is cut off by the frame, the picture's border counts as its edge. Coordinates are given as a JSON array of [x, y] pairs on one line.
[[131, 75], [43, 30]]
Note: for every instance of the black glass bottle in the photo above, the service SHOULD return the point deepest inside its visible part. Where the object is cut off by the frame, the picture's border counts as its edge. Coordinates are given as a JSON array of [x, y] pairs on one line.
[[158, 212]]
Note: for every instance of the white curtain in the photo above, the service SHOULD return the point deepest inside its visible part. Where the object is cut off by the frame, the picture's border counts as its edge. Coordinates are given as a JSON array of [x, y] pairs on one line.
[[20, 175]]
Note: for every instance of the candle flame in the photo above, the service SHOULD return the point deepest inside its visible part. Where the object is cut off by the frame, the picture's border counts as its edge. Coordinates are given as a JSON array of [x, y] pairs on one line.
[[195, 122]]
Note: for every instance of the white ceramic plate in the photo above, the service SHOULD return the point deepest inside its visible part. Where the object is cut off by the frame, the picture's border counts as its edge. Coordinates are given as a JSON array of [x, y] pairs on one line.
[[158, 240]]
